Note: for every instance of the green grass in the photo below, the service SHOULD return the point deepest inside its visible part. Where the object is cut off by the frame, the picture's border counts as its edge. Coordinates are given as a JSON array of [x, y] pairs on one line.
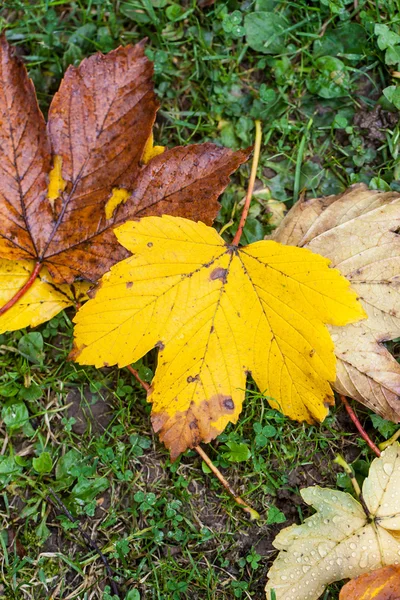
[[169, 531]]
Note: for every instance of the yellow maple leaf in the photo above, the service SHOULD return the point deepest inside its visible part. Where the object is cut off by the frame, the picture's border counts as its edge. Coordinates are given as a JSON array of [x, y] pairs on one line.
[[217, 312], [41, 302]]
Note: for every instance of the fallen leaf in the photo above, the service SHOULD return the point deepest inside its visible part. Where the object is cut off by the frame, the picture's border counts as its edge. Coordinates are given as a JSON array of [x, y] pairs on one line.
[[55, 185], [357, 231], [216, 312], [381, 584], [341, 540], [41, 302]]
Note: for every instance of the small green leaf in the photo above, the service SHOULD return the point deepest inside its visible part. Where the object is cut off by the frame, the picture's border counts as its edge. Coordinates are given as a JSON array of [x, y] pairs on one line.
[[8, 469], [392, 93], [14, 414], [43, 463], [66, 463], [392, 56], [275, 516], [253, 230], [132, 595], [31, 393], [30, 346], [236, 452], [331, 79], [349, 39], [267, 94], [377, 183], [385, 428], [265, 32], [386, 37], [263, 434], [173, 12], [86, 490]]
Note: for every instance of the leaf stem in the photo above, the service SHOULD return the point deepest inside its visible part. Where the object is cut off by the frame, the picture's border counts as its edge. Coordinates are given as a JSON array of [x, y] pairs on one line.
[[253, 513], [28, 284], [339, 460], [360, 428], [144, 385], [256, 158], [390, 441]]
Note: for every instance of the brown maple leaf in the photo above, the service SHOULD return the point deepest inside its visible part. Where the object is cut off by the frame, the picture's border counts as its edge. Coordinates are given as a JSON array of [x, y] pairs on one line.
[[99, 123]]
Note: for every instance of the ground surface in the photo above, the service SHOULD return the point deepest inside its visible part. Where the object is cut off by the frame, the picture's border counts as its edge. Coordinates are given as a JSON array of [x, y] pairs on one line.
[[170, 531]]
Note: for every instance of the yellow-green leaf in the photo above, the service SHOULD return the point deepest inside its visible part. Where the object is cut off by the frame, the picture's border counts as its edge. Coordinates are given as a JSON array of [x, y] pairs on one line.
[[216, 313], [343, 539], [41, 302]]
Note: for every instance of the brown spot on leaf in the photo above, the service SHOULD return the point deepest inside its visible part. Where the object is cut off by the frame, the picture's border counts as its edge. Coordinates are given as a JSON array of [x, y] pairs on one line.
[[160, 345], [129, 284], [329, 401], [219, 273], [228, 404], [149, 244], [191, 379]]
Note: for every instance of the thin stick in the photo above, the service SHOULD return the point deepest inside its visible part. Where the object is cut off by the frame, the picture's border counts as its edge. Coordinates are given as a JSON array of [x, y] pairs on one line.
[[360, 428], [28, 284], [144, 385], [253, 513], [88, 541], [256, 158]]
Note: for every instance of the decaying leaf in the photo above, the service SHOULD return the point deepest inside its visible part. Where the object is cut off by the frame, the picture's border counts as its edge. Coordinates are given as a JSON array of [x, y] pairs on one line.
[[381, 584], [56, 183], [340, 540], [216, 312], [357, 231]]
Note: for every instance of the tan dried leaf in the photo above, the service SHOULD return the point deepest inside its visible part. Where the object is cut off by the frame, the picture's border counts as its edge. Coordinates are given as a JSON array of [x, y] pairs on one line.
[[357, 231]]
